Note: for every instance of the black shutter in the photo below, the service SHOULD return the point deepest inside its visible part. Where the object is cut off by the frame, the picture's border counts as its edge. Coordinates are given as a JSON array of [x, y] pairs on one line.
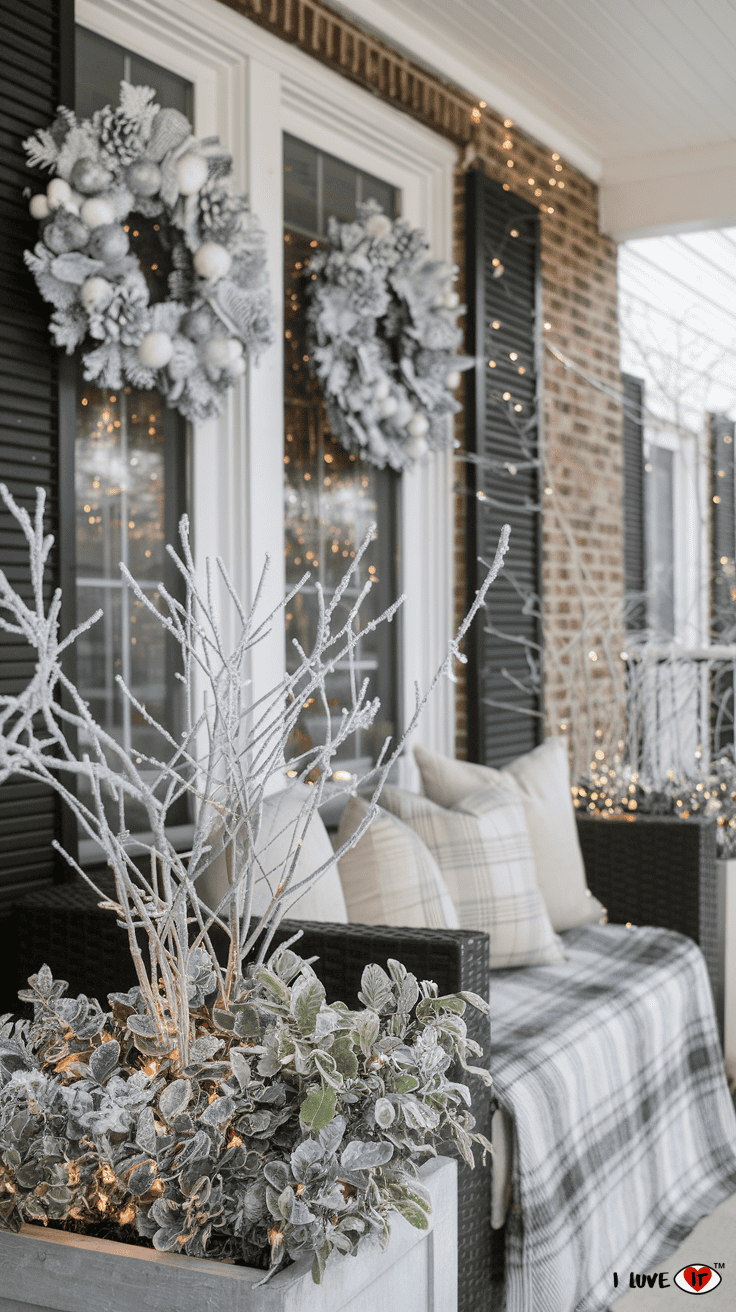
[[634, 521], [723, 581], [503, 233], [36, 75]]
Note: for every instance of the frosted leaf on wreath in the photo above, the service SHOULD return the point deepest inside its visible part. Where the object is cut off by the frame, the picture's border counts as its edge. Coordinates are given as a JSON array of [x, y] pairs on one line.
[[140, 162], [383, 336]]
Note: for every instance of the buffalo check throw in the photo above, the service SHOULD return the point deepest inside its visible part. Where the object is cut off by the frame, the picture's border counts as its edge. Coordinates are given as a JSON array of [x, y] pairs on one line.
[[625, 1135]]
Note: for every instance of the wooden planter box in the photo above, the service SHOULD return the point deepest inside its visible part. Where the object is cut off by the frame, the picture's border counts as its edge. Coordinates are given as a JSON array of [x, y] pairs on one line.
[[51, 1271]]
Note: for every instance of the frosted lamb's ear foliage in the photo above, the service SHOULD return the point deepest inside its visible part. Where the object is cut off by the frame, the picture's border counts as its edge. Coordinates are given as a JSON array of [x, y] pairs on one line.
[[228, 758]]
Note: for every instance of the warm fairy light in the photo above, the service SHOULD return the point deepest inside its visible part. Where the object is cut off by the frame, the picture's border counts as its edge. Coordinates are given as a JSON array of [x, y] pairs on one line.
[[496, 323], [507, 396], [513, 355], [509, 163], [548, 326], [555, 155], [482, 104], [716, 501], [475, 115], [550, 209], [593, 655], [507, 144], [514, 232], [343, 774], [506, 186], [518, 408], [508, 122]]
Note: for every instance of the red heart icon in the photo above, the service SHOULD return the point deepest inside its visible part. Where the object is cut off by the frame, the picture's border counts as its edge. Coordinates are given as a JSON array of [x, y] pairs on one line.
[[698, 1276]]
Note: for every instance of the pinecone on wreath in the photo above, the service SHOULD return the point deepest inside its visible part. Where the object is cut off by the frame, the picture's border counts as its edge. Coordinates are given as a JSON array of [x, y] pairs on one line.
[[218, 209], [119, 137]]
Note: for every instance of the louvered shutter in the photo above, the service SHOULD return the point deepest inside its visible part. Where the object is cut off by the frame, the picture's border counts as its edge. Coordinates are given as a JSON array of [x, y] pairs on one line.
[[723, 582], [503, 713], [634, 522], [36, 75]]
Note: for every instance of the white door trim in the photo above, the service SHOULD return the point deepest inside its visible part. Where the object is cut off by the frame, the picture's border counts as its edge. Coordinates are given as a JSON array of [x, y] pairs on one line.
[[249, 88]]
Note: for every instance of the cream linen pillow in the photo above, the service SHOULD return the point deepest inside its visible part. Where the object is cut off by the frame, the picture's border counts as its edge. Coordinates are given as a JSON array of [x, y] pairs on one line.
[[324, 900], [482, 848], [542, 780], [389, 877]]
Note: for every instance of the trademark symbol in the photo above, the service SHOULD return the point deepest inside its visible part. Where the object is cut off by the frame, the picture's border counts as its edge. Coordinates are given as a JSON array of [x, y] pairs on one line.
[[719, 1266]]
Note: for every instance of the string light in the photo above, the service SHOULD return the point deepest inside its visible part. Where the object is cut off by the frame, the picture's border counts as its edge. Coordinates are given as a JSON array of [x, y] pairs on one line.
[[508, 122]]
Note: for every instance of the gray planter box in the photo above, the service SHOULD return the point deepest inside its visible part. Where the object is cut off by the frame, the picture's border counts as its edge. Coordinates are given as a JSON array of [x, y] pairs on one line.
[[52, 1271]]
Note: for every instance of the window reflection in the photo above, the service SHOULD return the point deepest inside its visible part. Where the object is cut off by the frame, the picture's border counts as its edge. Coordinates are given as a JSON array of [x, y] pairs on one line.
[[331, 497]]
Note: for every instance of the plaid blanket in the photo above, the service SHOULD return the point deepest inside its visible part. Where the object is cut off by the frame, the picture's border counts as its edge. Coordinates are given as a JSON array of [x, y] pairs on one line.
[[625, 1133]]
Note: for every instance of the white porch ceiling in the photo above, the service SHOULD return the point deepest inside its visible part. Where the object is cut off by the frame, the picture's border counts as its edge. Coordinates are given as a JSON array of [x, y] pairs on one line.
[[639, 94]]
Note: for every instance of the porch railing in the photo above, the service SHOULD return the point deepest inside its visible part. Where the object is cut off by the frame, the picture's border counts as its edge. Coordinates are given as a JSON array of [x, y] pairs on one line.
[[680, 707]]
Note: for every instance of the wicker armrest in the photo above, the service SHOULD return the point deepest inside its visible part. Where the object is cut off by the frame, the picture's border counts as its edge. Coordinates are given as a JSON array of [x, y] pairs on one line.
[[64, 927], [658, 870]]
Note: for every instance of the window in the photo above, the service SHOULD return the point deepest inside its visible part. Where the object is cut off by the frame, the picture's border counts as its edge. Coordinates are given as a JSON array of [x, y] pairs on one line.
[[130, 476], [331, 497]]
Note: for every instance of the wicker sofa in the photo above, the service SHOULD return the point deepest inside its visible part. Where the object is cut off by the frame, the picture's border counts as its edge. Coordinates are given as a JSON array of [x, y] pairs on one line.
[[650, 871]]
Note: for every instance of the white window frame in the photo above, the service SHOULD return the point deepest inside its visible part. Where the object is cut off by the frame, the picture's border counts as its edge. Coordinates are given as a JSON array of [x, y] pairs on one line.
[[249, 88], [691, 518]]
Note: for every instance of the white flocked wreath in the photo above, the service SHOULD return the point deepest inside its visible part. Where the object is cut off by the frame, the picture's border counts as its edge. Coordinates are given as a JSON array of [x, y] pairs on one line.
[[383, 337], [139, 159]]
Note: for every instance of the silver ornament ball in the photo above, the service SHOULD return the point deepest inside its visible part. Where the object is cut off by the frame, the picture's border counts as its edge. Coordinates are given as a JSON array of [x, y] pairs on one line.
[[109, 242], [143, 177], [90, 177]]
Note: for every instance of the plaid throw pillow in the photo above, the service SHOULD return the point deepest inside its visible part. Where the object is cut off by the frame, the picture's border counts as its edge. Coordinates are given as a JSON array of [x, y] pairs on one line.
[[483, 850], [541, 780], [389, 877]]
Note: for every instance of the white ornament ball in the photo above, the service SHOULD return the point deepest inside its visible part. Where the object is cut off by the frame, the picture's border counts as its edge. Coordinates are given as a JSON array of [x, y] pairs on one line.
[[155, 350], [417, 448], [418, 425], [388, 406], [452, 300], [217, 353], [58, 192], [97, 213], [382, 389], [453, 379], [39, 206], [212, 261], [404, 412], [234, 349], [95, 293], [70, 206], [191, 174], [355, 400], [236, 367], [378, 225]]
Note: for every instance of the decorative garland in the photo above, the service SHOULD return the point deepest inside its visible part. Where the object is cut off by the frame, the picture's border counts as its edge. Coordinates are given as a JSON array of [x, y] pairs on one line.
[[140, 160], [383, 336]]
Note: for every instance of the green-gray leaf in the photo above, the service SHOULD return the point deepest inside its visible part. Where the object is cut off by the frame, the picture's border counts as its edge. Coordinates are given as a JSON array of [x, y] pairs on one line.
[[318, 1109], [174, 1098], [307, 996], [375, 988], [104, 1060], [343, 1054]]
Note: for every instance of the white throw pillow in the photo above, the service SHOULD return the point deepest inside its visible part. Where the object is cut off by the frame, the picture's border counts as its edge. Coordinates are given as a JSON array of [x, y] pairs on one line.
[[324, 900], [389, 877], [542, 780], [482, 847]]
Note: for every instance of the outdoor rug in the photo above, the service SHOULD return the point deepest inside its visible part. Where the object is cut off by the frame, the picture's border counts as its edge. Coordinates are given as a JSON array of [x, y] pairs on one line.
[[625, 1133]]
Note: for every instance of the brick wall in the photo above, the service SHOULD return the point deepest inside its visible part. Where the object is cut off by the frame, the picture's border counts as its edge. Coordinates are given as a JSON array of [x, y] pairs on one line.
[[582, 425]]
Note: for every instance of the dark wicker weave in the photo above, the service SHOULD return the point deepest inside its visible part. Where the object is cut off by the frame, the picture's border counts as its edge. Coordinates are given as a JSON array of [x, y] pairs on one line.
[[83, 944], [658, 870]]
